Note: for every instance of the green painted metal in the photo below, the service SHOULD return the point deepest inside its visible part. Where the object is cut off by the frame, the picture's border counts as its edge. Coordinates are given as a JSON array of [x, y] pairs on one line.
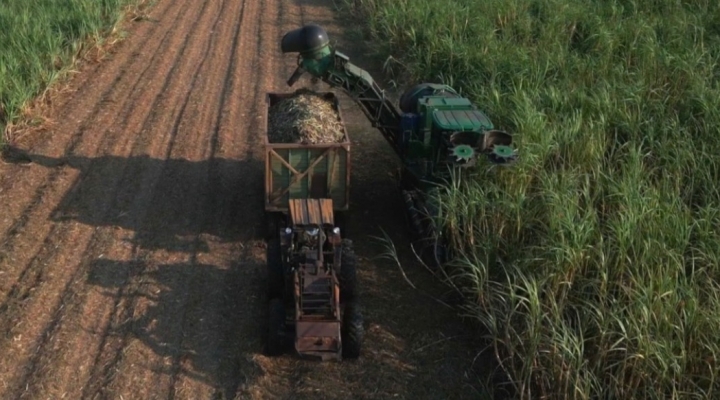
[[461, 120], [331, 170]]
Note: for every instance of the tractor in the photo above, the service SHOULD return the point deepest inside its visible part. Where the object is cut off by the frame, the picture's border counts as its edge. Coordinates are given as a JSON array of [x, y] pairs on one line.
[[311, 268]]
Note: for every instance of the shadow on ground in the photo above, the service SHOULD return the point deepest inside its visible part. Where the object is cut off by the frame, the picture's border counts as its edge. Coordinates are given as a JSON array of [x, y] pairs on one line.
[[200, 317], [162, 200]]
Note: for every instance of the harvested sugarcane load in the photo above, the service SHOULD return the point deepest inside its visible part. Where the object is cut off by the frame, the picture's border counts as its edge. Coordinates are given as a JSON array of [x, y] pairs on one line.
[[306, 117]]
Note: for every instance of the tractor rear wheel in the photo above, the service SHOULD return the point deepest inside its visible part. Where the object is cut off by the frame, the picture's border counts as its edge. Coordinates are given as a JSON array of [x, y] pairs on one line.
[[352, 332], [272, 224], [276, 327], [348, 272], [275, 273]]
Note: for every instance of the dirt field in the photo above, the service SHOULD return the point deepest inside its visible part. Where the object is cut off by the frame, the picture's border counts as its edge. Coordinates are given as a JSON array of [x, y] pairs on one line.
[[131, 260]]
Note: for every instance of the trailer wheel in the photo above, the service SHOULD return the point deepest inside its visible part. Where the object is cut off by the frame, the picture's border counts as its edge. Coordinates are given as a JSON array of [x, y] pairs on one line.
[[348, 272], [275, 273], [352, 331], [276, 326]]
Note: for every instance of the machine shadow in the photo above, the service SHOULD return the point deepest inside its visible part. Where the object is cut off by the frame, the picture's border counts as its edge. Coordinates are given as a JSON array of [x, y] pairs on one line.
[[202, 317], [162, 201], [199, 319]]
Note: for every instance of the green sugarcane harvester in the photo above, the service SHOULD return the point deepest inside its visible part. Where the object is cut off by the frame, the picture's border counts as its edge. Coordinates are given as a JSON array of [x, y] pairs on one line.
[[434, 131]]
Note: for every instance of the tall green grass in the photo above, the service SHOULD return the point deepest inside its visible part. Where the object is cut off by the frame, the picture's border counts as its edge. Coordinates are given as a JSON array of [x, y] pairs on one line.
[[593, 264], [38, 38]]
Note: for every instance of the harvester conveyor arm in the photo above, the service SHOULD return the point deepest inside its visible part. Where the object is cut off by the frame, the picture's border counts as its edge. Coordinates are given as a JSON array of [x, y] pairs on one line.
[[317, 58], [361, 87]]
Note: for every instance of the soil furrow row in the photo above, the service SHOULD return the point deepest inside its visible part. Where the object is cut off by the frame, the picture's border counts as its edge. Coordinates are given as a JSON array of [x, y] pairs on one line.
[[237, 126], [112, 277], [211, 330], [50, 351], [31, 318], [155, 187], [83, 164], [210, 335], [85, 105], [112, 353], [96, 198], [192, 147]]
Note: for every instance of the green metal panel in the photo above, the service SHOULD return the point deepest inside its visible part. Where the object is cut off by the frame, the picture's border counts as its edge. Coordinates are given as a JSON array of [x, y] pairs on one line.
[[331, 170], [338, 177], [461, 120], [454, 114], [447, 103]]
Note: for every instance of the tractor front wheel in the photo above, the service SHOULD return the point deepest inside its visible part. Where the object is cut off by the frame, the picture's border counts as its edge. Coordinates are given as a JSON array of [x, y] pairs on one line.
[[275, 272], [352, 331], [276, 327], [348, 272]]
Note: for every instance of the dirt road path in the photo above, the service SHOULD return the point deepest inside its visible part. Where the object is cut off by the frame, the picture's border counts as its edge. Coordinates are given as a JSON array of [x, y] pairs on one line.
[[131, 264]]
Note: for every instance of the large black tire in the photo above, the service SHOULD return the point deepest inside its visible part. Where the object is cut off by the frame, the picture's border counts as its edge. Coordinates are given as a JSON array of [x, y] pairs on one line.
[[276, 327], [352, 331], [341, 221], [272, 224], [348, 273], [275, 272]]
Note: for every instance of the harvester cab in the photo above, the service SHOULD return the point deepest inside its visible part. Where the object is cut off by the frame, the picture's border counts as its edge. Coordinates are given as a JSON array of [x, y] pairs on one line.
[[444, 129]]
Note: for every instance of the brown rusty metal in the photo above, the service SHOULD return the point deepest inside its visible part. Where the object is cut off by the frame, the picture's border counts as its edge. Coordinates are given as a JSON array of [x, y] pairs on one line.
[[316, 212], [317, 293]]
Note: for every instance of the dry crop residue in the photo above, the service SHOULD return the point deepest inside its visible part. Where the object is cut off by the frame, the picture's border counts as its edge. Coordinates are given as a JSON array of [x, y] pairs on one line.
[[131, 251], [306, 117]]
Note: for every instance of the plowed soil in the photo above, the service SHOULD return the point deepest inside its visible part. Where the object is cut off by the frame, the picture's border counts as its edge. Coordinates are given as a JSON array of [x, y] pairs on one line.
[[131, 255]]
